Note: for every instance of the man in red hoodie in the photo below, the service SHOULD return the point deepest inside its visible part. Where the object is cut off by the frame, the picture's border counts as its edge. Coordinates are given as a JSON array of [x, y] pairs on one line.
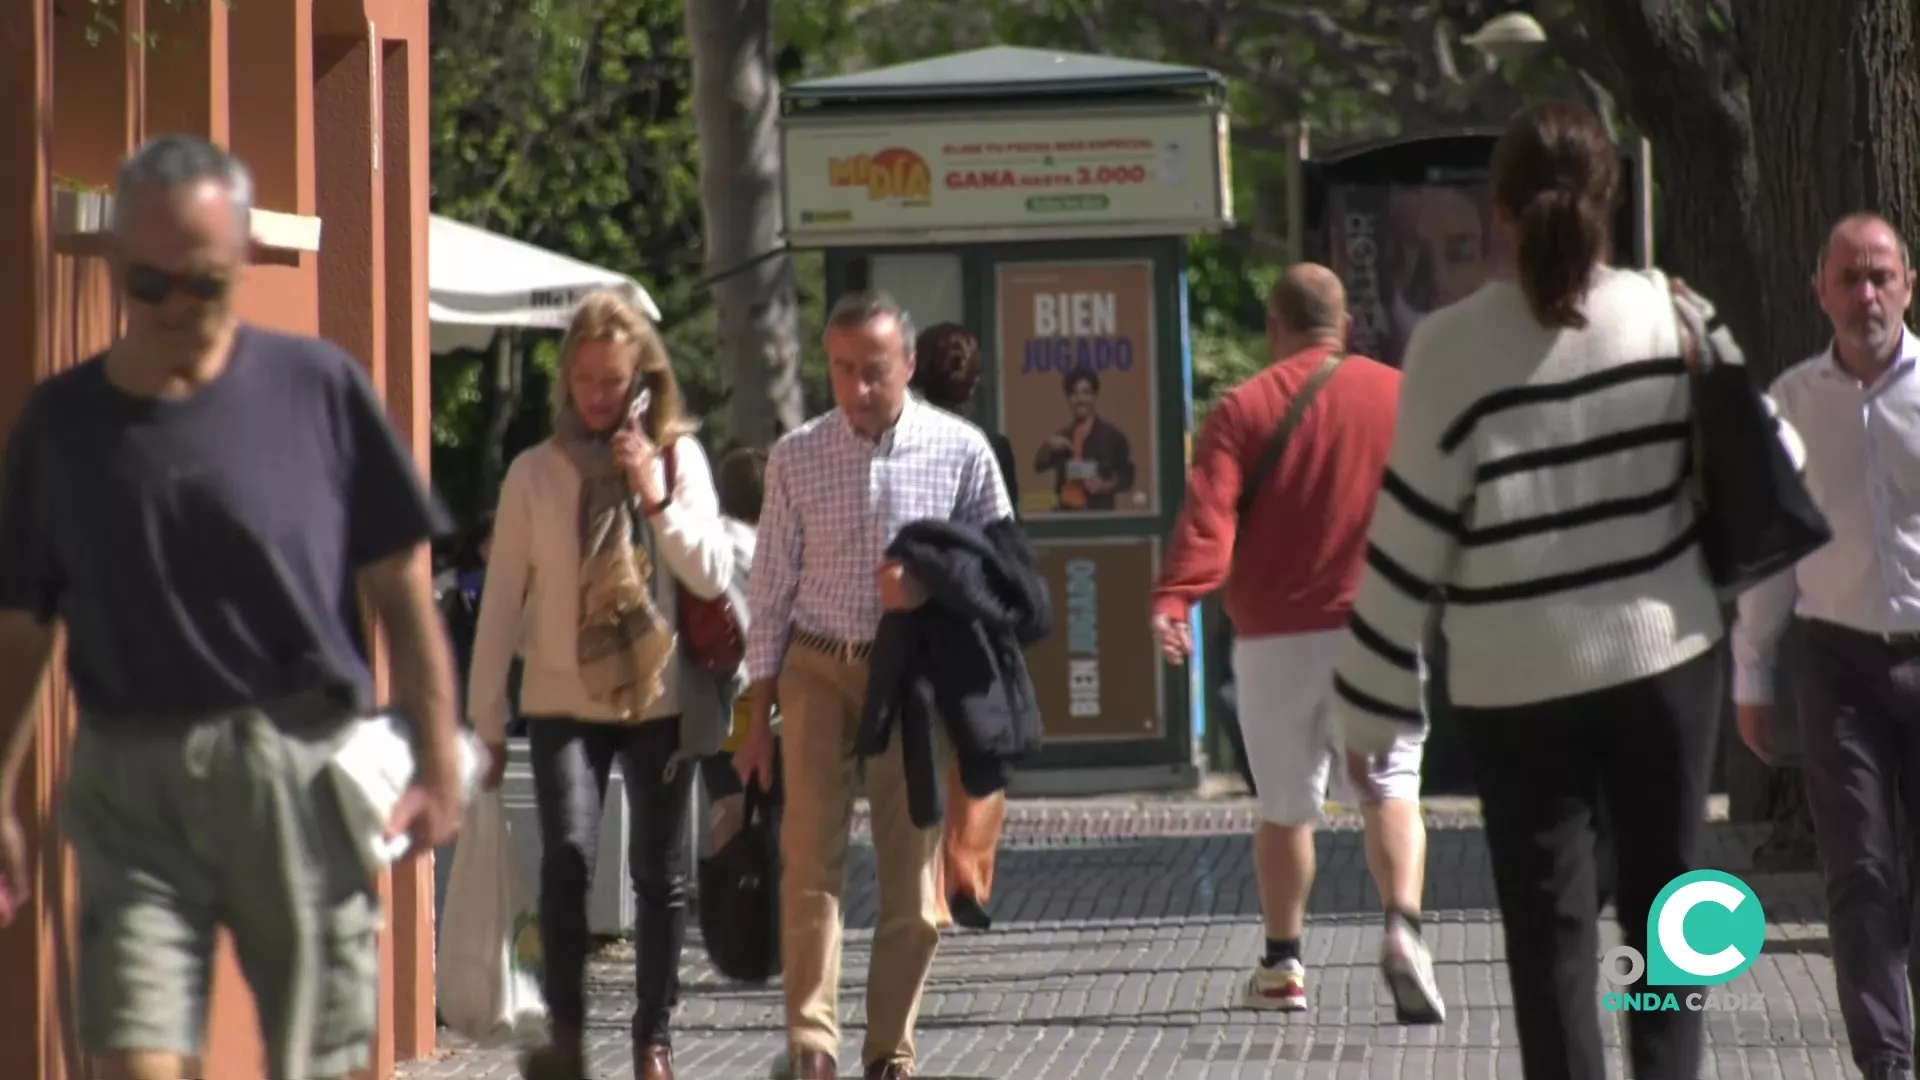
[[1280, 519]]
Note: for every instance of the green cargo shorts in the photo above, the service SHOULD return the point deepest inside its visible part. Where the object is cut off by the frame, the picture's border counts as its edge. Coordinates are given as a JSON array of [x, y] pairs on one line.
[[230, 822]]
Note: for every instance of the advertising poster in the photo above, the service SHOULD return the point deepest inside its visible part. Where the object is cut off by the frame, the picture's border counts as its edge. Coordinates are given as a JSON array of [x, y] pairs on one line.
[[1000, 172], [1097, 678], [1077, 385], [1405, 250]]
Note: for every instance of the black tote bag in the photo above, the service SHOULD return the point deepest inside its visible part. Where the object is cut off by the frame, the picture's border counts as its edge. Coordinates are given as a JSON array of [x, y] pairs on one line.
[[740, 896], [1755, 515]]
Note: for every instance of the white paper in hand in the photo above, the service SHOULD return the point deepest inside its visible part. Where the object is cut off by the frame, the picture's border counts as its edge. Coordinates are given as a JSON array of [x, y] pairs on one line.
[[487, 975], [370, 770]]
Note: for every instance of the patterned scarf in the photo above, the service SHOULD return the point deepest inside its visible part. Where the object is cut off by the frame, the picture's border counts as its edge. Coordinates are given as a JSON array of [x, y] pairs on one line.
[[624, 644]]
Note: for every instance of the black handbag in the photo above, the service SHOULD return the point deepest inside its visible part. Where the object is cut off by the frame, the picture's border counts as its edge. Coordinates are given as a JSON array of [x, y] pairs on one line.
[[1755, 515], [740, 896]]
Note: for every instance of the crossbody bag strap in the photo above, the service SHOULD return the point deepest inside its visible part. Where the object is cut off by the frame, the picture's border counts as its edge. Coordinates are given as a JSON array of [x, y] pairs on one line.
[[1276, 445]]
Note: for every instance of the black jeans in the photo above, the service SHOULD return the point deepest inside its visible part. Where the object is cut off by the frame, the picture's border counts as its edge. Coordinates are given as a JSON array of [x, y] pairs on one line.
[[1646, 748], [571, 763], [1859, 700]]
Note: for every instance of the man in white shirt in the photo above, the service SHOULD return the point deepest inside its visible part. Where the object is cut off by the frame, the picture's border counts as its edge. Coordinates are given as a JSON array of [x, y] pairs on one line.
[[1857, 673]]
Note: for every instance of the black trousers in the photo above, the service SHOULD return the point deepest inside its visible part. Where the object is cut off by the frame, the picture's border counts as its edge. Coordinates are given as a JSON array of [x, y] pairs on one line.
[[1859, 702], [1646, 749], [572, 761]]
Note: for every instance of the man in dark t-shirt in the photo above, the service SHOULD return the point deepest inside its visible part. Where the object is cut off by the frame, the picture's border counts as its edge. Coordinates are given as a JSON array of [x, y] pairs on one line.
[[202, 507]]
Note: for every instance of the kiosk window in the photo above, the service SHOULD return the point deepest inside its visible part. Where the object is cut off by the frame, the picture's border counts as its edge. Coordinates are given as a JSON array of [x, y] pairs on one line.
[[931, 287]]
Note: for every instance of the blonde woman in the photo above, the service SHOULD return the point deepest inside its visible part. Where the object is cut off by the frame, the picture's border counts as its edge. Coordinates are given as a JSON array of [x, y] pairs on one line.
[[599, 529]]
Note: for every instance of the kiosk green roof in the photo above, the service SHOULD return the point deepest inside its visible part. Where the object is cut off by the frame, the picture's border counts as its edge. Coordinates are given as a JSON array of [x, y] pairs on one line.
[[1002, 71]]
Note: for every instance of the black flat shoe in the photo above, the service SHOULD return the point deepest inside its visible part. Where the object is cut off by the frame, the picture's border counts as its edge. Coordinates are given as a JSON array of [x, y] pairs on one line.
[[550, 1062], [967, 912]]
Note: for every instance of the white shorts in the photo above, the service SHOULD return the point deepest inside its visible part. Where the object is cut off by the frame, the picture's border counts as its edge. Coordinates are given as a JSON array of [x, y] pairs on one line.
[[1283, 685]]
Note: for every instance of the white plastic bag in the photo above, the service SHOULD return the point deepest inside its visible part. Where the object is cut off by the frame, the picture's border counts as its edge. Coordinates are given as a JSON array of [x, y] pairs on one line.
[[488, 971]]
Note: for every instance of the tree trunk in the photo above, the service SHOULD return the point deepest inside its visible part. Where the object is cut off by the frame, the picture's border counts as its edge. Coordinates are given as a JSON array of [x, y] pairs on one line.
[[1836, 121], [1754, 171], [736, 105], [1682, 87]]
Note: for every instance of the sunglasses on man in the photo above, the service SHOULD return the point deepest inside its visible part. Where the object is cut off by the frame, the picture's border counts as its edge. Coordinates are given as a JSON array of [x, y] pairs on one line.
[[152, 285]]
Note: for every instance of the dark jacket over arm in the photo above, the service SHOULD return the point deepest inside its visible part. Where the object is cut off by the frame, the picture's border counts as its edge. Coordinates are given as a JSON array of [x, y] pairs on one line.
[[957, 661], [1003, 454]]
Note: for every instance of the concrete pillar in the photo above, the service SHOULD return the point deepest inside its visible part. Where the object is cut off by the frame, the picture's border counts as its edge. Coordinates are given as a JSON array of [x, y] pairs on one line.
[[350, 195], [348, 192], [95, 101], [409, 389], [187, 69], [34, 946], [271, 60]]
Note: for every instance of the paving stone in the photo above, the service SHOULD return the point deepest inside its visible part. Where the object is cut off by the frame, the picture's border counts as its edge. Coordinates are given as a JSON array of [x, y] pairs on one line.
[[1122, 933]]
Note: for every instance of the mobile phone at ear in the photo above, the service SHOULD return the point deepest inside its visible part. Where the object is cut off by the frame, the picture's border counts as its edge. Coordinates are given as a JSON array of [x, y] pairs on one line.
[[639, 407]]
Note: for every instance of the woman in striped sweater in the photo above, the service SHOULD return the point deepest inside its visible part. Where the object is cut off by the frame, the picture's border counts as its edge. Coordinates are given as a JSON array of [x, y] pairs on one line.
[[1538, 481]]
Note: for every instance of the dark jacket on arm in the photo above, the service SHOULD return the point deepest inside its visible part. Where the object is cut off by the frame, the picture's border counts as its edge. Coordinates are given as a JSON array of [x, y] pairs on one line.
[[1010, 476], [956, 660]]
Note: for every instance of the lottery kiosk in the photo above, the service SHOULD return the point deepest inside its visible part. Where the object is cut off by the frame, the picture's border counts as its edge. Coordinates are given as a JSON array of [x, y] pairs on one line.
[[1043, 200]]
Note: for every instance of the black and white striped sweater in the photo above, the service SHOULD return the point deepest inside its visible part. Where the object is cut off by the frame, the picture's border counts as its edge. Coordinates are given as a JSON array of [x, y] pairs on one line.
[[1538, 477]]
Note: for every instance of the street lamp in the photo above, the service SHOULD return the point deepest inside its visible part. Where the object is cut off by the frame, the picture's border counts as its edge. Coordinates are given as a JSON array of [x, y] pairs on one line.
[[1519, 36], [1513, 36]]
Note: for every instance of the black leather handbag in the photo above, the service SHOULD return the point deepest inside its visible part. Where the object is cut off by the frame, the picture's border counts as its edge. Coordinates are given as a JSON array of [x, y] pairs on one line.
[[1755, 515]]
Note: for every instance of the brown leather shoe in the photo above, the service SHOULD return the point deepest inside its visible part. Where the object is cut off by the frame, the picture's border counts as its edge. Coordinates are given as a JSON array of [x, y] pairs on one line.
[[652, 1063], [889, 1070], [814, 1065]]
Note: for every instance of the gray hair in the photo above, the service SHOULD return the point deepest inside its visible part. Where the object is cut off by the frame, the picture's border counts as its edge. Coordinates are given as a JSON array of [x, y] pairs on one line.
[[1861, 217], [856, 309], [176, 161]]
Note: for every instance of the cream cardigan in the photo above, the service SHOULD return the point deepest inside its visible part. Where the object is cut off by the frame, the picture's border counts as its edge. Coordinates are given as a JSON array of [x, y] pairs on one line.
[[530, 604]]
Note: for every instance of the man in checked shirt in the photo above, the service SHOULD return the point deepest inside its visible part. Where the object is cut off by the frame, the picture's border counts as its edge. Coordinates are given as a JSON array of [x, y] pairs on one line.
[[838, 489]]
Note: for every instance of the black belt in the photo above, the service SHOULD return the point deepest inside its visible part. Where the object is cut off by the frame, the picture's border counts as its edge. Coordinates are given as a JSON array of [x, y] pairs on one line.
[[1893, 639], [847, 652]]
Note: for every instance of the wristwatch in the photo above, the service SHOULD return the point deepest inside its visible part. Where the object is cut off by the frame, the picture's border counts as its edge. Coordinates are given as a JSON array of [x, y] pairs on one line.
[[656, 509]]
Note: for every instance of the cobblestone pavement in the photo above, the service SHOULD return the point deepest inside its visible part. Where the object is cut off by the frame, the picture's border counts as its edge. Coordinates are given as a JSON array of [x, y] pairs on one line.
[[1121, 937]]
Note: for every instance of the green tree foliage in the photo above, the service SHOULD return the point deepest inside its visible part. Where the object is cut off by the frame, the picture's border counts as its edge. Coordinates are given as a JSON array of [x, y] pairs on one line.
[[562, 123], [566, 123]]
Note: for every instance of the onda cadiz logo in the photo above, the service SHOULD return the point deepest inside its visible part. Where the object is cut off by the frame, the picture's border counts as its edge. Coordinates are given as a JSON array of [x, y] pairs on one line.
[[1705, 928]]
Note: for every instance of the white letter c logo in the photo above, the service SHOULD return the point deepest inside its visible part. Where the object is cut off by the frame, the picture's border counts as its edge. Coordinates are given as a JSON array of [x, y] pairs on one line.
[[1673, 922]]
